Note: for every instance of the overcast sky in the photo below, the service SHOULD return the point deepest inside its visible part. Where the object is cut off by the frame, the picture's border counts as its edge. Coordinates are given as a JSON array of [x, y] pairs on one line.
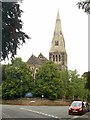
[[39, 19]]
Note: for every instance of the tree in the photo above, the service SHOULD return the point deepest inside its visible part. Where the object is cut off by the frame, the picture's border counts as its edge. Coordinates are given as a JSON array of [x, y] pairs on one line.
[[48, 81], [12, 34], [87, 76], [77, 86], [64, 81], [88, 80], [17, 81], [84, 5]]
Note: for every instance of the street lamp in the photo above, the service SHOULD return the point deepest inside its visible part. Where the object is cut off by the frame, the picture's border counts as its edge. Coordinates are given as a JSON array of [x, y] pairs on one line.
[[21, 92]]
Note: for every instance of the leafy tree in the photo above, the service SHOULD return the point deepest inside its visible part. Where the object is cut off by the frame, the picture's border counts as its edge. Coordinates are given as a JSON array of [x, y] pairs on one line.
[[54, 83], [84, 5], [48, 81], [12, 34], [64, 81], [77, 86], [18, 80], [88, 80], [86, 75], [3, 72]]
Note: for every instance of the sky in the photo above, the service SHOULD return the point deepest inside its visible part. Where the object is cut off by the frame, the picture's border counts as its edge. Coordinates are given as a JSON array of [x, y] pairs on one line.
[[39, 19]]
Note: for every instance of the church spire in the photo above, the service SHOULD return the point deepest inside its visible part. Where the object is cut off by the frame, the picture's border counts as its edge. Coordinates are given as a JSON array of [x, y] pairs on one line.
[[58, 28], [58, 17], [58, 43], [57, 51]]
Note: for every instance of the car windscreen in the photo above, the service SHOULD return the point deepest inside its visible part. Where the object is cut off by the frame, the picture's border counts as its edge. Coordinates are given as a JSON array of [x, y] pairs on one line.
[[76, 104]]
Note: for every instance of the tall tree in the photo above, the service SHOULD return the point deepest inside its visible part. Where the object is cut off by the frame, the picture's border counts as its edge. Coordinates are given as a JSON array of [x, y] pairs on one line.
[[17, 81], [77, 86], [12, 34], [87, 76], [64, 81], [84, 5], [51, 82]]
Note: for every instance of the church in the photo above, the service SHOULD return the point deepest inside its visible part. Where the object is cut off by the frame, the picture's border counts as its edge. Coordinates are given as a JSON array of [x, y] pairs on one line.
[[57, 52]]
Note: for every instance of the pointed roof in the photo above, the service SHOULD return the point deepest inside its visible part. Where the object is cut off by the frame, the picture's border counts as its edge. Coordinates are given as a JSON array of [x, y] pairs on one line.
[[58, 37], [34, 60], [58, 27], [41, 57], [58, 17]]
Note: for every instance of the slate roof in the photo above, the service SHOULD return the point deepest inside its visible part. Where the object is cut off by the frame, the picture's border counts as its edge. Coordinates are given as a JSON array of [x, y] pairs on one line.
[[34, 60], [42, 57]]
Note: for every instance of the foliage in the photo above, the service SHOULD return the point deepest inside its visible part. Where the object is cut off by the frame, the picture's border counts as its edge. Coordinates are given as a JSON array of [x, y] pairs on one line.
[[12, 34], [48, 81], [86, 75], [88, 80], [56, 84], [77, 86], [17, 81], [84, 5], [64, 81]]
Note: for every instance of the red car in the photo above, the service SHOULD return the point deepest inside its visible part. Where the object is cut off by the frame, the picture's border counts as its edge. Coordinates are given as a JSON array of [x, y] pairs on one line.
[[76, 107]]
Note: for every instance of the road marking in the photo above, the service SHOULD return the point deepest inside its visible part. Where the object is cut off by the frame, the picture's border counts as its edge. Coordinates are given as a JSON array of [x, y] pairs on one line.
[[6, 115], [49, 115], [40, 113], [75, 116]]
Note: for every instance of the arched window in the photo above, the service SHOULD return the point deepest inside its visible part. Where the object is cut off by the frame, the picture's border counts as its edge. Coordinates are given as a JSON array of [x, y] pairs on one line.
[[59, 58], [53, 58], [56, 58]]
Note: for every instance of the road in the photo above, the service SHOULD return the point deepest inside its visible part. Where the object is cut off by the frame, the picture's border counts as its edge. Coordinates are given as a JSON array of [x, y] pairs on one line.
[[39, 112]]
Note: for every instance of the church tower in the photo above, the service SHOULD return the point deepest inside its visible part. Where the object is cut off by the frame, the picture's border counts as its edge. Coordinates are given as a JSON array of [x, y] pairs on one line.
[[57, 51]]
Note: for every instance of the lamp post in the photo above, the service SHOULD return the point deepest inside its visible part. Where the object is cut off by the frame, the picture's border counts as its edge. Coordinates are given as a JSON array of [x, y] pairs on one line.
[[21, 92]]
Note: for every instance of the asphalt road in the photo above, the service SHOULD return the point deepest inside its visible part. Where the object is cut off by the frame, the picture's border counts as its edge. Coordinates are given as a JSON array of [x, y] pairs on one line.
[[39, 112]]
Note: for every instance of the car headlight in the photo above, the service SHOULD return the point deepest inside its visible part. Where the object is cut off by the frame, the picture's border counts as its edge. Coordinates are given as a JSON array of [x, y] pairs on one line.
[[70, 108], [80, 109]]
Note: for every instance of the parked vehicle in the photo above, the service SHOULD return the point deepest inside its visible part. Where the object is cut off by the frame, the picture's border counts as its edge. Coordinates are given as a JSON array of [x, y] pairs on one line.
[[86, 106], [76, 107], [28, 95]]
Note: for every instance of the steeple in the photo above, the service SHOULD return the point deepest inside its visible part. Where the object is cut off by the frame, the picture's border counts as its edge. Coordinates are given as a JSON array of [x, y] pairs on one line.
[[58, 43], [58, 24], [58, 18], [57, 51]]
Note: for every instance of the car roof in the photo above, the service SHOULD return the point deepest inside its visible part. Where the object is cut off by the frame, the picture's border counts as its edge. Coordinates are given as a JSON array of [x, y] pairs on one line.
[[77, 101]]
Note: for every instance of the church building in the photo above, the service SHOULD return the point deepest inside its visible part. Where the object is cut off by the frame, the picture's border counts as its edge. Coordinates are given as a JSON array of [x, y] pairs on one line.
[[57, 52]]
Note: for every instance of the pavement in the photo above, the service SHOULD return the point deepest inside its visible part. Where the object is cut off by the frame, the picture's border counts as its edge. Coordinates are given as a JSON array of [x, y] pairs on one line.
[[88, 115]]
